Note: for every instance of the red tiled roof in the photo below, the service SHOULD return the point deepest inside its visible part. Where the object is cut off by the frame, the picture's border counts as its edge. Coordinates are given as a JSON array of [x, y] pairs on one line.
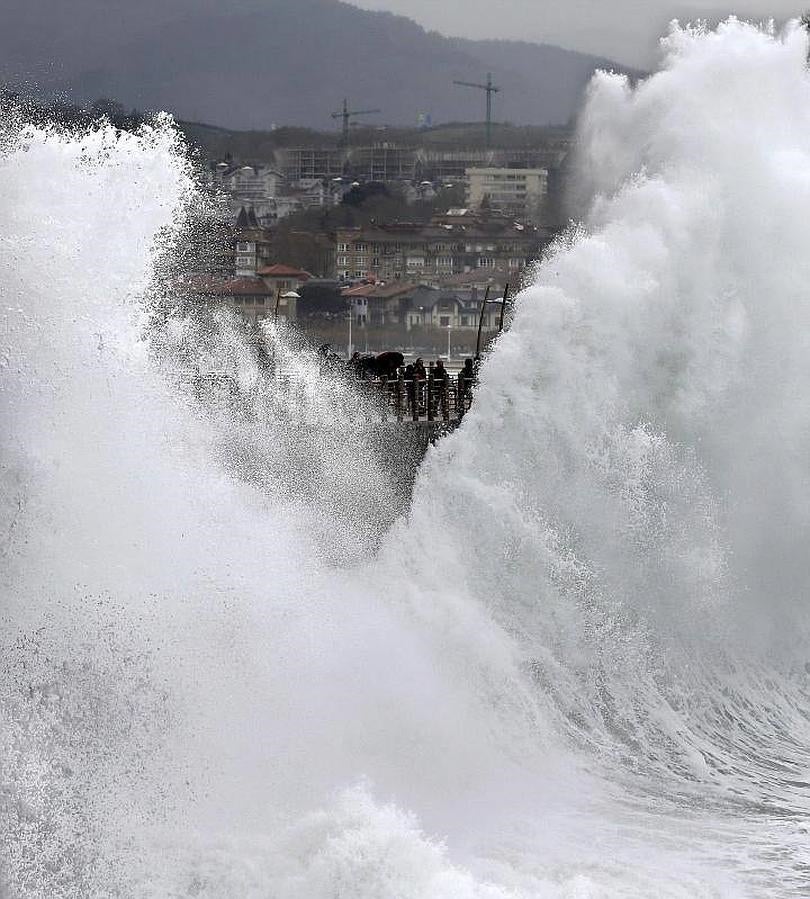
[[283, 271]]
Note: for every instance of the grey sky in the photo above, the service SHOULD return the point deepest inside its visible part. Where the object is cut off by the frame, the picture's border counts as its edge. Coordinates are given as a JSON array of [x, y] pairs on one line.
[[625, 30]]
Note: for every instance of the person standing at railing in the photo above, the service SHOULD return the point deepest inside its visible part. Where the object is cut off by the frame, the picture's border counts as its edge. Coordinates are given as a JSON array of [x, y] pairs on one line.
[[419, 377], [441, 379], [410, 386], [466, 379]]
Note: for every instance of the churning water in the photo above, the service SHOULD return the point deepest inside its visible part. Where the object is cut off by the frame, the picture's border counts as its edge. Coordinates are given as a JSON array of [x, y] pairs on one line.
[[238, 661]]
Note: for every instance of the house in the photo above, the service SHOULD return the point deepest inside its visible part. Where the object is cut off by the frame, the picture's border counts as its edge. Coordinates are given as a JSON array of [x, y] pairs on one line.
[[249, 296], [380, 304], [251, 184], [251, 244], [413, 305], [284, 278]]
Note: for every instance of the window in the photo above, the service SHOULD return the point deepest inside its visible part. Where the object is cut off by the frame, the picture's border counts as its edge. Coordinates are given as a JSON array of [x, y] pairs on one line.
[[444, 321], [486, 262], [244, 246], [343, 247], [360, 260], [358, 274], [342, 260], [360, 248]]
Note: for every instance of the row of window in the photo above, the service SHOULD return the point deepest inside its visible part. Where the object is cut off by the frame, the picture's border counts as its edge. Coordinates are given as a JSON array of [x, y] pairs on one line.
[[417, 263], [418, 246], [362, 261]]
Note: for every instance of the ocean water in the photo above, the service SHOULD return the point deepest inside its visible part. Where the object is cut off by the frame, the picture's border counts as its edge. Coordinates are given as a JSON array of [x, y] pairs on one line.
[[239, 658]]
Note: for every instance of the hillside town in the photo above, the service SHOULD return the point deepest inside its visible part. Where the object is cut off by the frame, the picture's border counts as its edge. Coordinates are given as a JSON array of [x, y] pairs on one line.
[[382, 245]]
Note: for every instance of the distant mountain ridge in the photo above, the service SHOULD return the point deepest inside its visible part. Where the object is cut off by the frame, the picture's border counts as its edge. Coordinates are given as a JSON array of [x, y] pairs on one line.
[[262, 62]]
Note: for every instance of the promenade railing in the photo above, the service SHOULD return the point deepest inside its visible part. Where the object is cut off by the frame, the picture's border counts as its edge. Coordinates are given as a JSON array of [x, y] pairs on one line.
[[439, 398]]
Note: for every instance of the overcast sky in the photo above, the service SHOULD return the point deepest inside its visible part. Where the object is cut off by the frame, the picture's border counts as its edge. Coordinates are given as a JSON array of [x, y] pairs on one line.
[[625, 30]]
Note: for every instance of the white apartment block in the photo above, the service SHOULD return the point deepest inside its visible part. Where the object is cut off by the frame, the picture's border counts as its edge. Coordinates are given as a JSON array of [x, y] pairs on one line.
[[516, 192]]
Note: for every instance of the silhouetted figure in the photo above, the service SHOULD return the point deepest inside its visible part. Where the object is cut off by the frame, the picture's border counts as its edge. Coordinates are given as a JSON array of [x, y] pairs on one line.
[[387, 364], [384, 365], [420, 379], [410, 385], [466, 379]]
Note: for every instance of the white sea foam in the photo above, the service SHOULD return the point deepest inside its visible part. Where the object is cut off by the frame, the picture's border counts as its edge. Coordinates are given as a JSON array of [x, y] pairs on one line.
[[573, 666]]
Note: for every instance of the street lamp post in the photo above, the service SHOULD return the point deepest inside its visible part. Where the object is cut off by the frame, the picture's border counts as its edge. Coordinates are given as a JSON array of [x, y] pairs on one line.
[[292, 297], [449, 326]]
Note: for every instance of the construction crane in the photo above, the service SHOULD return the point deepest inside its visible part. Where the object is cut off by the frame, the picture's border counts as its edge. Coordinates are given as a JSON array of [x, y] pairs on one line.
[[490, 88], [346, 114]]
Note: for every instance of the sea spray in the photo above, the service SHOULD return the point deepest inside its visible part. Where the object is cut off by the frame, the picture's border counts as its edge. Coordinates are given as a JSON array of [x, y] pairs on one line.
[[572, 667]]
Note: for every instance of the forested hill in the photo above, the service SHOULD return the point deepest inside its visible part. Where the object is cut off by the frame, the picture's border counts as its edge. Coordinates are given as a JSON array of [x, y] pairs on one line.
[[253, 63]]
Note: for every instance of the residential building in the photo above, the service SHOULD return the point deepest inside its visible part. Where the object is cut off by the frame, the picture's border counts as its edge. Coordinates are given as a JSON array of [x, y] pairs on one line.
[[380, 304], [435, 307], [312, 192], [252, 184], [251, 244], [410, 252], [520, 193], [281, 279], [249, 296], [415, 305]]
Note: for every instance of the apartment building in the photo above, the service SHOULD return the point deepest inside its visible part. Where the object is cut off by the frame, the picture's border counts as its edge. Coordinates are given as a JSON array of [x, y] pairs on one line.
[[514, 192], [414, 251]]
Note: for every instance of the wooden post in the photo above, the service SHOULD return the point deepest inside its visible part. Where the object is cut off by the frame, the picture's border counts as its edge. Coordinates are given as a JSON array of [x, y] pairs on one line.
[[278, 300], [481, 322], [400, 393], [445, 390], [503, 307], [415, 405], [429, 398]]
